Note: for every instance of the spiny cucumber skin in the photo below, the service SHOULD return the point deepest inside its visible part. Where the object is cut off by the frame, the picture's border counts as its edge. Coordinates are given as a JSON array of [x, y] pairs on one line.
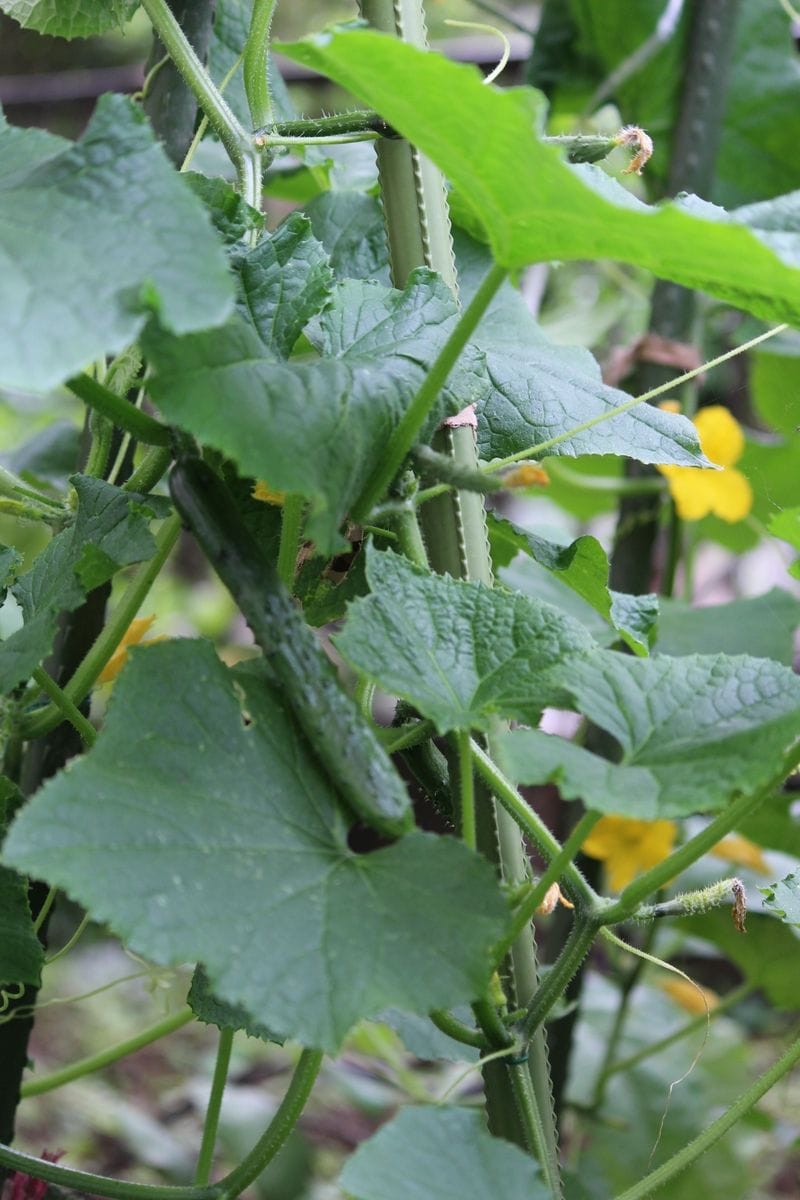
[[343, 741]]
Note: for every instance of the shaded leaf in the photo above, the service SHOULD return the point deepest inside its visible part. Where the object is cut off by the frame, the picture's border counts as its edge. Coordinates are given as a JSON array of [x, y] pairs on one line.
[[351, 227], [441, 1154], [234, 851], [532, 205], [768, 955], [584, 566], [70, 18], [64, 209], [783, 898], [422, 1038], [21, 953], [761, 626], [313, 428], [459, 652], [232, 216], [207, 1008], [110, 531]]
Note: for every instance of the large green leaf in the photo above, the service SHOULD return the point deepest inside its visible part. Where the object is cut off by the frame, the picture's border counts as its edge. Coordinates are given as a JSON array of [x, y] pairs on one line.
[[531, 756], [783, 898], [234, 853], [110, 530], [70, 18], [352, 229], [212, 1011], [583, 566], [21, 954], [708, 728], [83, 259], [761, 626], [441, 1154], [540, 390], [314, 428], [533, 206], [458, 651]]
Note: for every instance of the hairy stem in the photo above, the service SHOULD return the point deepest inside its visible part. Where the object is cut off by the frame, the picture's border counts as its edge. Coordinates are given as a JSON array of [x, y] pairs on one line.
[[256, 52], [205, 1158]]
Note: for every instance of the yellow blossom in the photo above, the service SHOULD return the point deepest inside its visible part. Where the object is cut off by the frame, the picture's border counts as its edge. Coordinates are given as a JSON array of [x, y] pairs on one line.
[[262, 491], [628, 846], [690, 996], [132, 636], [527, 474], [726, 493], [740, 850]]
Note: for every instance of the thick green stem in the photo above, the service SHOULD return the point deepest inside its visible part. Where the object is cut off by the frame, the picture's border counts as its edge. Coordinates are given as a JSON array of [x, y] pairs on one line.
[[466, 789], [220, 116], [291, 532], [122, 414], [280, 1127], [256, 53], [575, 950], [150, 471], [84, 678], [211, 1124], [69, 710], [689, 1154], [99, 1185], [104, 1058], [168, 101], [407, 432], [533, 827], [457, 1030], [669, 868]]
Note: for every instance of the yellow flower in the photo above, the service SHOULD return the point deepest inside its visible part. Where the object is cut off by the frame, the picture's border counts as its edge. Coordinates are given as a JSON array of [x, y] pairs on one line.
[[262, 491], [628, 846], [740, 850], [132, 636], [690, 996], [527, 474], [726, 493]]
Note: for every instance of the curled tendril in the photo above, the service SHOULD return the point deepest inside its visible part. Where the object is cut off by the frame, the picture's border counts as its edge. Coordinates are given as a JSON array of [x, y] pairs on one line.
[[479, 25]]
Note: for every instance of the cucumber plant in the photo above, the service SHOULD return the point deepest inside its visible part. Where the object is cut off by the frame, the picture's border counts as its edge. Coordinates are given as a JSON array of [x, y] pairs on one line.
[[352, 385]]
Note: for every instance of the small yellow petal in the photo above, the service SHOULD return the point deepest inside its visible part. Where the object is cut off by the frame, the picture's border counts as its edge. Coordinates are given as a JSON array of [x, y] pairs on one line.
[[732, 496], [262, 491], [670, 406], [690, 996], [526, 475], [628, 846], [740, 850], [132, 636], [692, 489], [720, 435]]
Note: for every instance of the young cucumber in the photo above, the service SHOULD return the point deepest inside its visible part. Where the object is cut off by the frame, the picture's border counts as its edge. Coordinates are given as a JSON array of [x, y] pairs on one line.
[[343, 741]]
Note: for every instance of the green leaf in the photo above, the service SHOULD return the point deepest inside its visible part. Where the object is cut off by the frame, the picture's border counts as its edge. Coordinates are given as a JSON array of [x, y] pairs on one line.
[[459, 652], [70, 18], [441, 1154], [21, 954], [351, 227], [10, 559], [773, 825], [541, 390], [65, 213], [207, 1008], [533, 206], [232, 216], [110, 531], [786, 526], [708, 728], [422, 1038], [531, 756], [285, 280], [48, 457], [774, 380], [584, 566], [768, 955], [761, 626], [234, 852], [313, 428], [783, 898]]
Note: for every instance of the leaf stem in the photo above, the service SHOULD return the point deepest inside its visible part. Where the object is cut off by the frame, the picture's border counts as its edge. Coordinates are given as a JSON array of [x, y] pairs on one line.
[[126, 416], [542, 447], [256, 52], [532, 826], [69, 710], [220, 116], [99, 1185], [151, 469], [104, 1058], [211, 1124], [689, 1154], [43, 720], [524, 914], [291, 532], [279, 1128], [409, 735], [457, 1030], [407, 432], [466, 788], [661, 874], [575, 949]]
